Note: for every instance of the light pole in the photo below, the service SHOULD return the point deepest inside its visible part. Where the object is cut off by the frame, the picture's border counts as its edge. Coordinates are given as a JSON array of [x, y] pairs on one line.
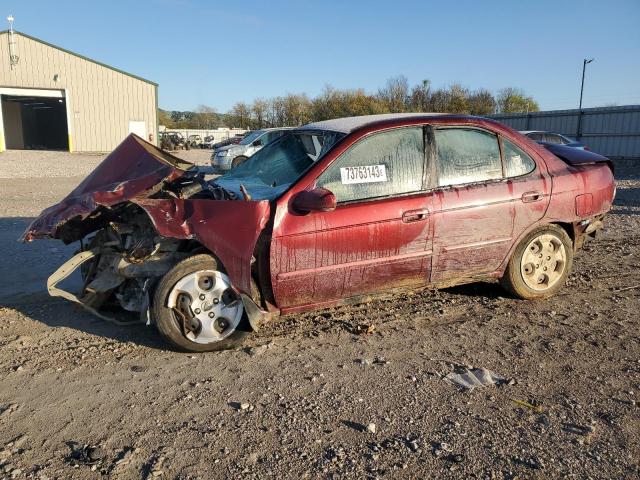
[[584, 67]]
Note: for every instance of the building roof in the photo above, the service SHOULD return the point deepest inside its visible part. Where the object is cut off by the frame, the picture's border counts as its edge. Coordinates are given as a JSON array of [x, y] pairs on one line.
[[349, 124], [80, 56]]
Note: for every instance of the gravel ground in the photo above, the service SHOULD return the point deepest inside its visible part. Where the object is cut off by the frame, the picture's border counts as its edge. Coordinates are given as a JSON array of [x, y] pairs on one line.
[[352, 392]]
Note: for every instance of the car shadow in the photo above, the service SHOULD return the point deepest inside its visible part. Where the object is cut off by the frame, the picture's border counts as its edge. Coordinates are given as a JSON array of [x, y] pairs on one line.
[[490, 290], [24, 270]]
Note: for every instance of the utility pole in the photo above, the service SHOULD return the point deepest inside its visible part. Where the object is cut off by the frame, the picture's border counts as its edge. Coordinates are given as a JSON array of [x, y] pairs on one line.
[[584, 67]]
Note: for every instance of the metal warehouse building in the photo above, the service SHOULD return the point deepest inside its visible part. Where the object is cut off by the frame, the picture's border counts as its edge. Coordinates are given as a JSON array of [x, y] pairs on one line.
[[55, 99]]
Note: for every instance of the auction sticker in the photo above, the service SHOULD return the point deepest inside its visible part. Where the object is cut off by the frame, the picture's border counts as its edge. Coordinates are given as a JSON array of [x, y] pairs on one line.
[[363, 174]]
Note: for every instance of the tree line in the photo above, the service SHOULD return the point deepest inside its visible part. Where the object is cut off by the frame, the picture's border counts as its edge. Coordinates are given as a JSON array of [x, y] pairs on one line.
[[394, 97]]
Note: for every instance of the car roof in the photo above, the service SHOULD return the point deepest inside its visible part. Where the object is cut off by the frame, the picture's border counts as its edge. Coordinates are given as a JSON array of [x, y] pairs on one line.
[[350, 124], [272, 129]]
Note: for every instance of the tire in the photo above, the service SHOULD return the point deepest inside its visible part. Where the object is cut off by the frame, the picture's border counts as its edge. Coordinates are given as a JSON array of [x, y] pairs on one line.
[[167, 320], [238, 161], [540, 264]]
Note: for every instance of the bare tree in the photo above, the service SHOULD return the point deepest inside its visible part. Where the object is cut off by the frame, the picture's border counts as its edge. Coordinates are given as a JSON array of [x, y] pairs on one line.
[[240, 116], [395, 94], [259, 111]]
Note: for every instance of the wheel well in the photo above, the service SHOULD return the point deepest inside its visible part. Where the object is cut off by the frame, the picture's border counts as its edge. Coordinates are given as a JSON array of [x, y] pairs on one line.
[[194, 247], [568, 227]]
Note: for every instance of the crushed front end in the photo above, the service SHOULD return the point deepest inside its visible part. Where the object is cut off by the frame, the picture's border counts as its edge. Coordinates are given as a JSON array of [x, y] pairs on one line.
[[140, 213]]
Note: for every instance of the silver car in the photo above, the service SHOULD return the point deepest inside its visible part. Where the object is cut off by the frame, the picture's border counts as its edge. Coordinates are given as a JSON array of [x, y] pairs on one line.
[[230, 156]]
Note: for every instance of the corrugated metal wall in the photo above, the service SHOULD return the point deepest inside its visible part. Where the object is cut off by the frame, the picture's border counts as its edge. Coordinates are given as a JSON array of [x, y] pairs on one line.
[[101, 100], [610, 131]]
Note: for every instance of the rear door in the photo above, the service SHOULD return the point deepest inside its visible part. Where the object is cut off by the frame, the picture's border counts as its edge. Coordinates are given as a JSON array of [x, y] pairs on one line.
[[482, 203], [378, 237]]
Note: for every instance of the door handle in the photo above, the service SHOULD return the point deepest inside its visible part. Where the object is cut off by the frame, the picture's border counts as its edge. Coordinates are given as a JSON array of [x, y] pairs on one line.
[[415, 215], [529, 197]]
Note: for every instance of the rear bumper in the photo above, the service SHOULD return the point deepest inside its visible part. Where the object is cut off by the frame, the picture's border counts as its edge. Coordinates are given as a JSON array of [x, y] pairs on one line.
[[587, 229]]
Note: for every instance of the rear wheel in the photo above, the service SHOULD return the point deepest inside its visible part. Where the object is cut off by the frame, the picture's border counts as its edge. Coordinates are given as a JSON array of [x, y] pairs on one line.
[[238, 161], [197, 310], [540, 264]]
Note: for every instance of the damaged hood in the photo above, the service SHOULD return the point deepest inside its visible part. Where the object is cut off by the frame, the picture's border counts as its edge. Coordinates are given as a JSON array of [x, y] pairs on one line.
[[132, 170]]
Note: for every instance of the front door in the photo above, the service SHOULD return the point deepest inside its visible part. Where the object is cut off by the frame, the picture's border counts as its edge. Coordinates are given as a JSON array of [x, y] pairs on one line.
[[379, 236]]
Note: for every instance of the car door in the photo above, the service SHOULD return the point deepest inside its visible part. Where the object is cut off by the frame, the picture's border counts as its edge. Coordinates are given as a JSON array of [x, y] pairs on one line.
[[478, 211], [378, 237]]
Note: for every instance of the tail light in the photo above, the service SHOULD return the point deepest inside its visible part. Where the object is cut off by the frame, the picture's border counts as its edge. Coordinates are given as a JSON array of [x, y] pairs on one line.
[[587, 148]]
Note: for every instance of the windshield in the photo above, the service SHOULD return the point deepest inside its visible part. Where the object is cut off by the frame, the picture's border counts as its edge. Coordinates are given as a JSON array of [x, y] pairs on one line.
[[251, 137], [272, 170]]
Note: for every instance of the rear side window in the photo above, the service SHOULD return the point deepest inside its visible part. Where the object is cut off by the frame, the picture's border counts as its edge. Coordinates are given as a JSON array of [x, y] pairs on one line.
[[552, 138], [466, 156], [516, 162], [538, 137], [383, 164]]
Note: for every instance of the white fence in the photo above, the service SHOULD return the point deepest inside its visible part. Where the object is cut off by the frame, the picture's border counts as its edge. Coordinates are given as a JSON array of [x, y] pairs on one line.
[[218, 134]]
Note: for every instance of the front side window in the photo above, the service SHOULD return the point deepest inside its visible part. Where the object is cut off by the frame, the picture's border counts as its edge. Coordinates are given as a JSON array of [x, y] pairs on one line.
[[516, 162], [383, 164], [466, 156]]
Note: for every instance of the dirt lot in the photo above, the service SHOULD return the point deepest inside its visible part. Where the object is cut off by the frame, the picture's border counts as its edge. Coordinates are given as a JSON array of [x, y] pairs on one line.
[[297, 401]]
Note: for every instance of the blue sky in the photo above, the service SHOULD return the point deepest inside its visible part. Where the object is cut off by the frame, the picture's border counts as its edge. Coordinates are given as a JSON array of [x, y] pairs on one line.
[[217, 53]]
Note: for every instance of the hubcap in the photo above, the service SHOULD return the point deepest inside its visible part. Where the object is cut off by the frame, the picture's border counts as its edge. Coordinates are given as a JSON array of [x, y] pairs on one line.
[[543, 262], [206, 306]]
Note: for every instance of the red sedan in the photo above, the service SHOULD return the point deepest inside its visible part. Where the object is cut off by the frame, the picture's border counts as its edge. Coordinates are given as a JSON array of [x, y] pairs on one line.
[[333, 211]]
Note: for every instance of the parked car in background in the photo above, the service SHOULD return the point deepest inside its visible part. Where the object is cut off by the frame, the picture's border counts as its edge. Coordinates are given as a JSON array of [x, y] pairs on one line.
[[230, 156], [553, 138], [233, 140], [208, 142], [173, 141], [194, 141], [328, 213]]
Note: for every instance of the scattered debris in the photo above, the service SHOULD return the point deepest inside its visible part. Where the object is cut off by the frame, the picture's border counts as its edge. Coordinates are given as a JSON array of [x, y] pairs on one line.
[[85, 454], [477, 377], [584, 430], [258, 350], [371, 428], [530, 406], [8, 409], [533, 463]]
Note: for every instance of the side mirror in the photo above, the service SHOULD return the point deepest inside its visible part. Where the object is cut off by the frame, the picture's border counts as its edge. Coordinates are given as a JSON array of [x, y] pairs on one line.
[[316, 200], [257, 143]]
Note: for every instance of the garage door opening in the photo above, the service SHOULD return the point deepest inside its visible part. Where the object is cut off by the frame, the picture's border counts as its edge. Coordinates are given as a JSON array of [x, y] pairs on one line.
[[35, 123]]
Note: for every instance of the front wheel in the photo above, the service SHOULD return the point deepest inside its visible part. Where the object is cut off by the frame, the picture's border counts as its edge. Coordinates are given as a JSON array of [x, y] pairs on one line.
[[197, 310], [540, 264]]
